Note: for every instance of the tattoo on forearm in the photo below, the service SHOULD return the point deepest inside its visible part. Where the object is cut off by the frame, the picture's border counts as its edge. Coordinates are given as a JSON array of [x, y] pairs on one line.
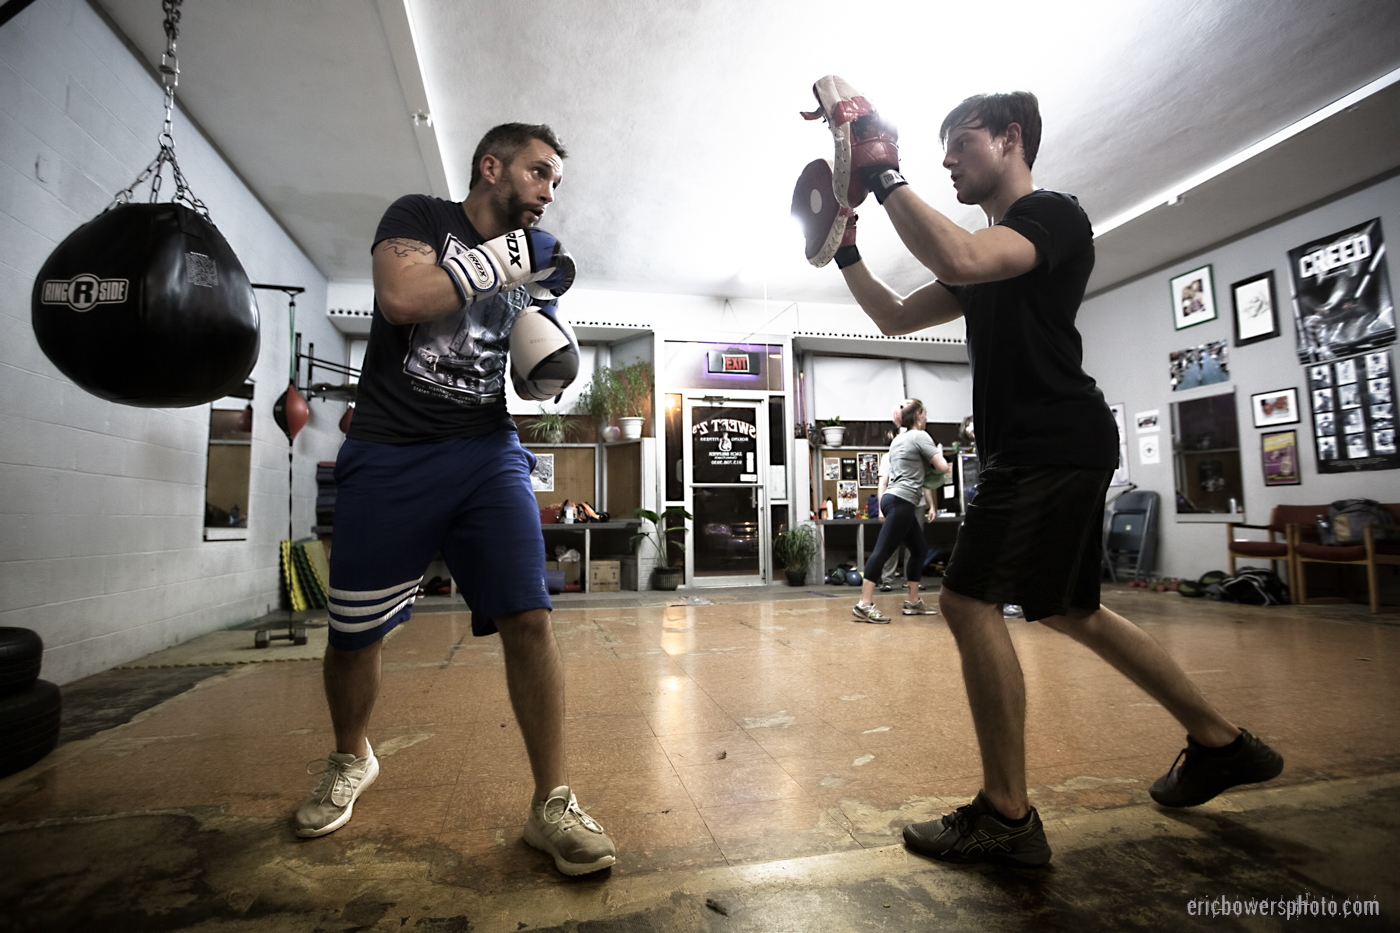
[[403, 247]]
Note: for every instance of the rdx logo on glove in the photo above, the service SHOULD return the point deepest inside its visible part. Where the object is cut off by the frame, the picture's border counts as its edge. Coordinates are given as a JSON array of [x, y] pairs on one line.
[[531, 258]]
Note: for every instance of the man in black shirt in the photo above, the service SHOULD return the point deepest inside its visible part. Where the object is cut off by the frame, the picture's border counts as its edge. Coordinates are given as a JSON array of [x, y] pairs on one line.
[[433, 465], [1048, 446]]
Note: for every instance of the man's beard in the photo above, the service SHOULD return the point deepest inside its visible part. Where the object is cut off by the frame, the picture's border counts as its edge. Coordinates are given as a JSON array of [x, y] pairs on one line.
[[516, 211]]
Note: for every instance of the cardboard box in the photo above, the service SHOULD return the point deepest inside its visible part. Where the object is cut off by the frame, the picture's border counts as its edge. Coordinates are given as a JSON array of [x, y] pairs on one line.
[[604, 576]]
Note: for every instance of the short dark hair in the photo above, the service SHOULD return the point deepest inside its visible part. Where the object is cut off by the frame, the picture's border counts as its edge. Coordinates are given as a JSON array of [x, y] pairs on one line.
[[996, 112], [909, 414], [505, 142]]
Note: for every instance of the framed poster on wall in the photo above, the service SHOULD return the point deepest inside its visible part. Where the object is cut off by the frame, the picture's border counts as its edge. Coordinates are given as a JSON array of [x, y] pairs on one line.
[[1193, 298], [868, 466], [1274, 408], [1256, 310], [1341, 287], [1280, 455], [1353, 413]]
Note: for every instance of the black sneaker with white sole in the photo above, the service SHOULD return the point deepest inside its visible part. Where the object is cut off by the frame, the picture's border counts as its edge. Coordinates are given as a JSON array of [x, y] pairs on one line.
[[1200, 773], [976, 833]]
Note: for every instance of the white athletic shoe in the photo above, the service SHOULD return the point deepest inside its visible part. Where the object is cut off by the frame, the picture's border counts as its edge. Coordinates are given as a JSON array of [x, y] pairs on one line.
[[559, 827], [869, 614], [343, 778], [919, 608]]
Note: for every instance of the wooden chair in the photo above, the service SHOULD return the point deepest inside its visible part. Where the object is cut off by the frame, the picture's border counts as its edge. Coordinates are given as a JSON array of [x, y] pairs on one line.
[[1281, 520], [1371, 554]]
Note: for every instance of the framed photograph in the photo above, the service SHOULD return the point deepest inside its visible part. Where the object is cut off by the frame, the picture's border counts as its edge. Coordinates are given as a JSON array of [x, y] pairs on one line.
[[1281, 459], [542, 476], [1193, 298], [1147, 422], [1256, 311], [1277, 407]]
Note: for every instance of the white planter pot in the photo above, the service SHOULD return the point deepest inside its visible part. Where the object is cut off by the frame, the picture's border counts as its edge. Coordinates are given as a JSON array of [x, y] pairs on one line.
[[832, 437], [631, 428]]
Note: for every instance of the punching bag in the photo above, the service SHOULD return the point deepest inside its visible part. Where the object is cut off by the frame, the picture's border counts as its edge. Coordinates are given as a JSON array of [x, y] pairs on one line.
[[147, 305]]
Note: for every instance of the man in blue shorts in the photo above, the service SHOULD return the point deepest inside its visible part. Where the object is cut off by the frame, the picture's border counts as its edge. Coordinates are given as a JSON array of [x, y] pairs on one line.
[[433, 465], [1048, 447]]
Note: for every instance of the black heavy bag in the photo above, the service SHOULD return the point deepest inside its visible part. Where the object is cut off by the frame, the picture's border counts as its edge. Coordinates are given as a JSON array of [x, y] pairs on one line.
[[147, 305]]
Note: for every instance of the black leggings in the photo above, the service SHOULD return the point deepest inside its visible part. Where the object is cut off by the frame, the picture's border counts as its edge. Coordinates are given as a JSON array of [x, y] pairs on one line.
[[901, 527]]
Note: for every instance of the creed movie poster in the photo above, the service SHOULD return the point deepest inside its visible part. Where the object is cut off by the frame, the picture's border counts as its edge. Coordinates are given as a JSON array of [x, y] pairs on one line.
[[1341, 294]]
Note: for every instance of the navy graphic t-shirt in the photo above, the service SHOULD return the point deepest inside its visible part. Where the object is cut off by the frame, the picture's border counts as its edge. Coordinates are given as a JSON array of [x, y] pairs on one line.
[[1032, 402], [440, 379]]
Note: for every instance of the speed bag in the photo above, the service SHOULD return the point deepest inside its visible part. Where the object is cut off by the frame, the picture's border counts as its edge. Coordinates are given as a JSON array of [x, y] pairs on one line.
[[147, 305]]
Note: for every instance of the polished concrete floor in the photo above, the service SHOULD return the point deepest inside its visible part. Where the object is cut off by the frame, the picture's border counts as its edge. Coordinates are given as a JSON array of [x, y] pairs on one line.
[[753, 760]]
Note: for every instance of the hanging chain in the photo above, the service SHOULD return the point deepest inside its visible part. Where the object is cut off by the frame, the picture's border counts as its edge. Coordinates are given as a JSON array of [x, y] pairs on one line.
[[169, 79]]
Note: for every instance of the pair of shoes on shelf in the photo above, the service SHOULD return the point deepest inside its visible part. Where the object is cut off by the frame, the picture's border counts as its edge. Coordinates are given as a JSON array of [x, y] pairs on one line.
[[869, 614], [976, 832], [557, 826]]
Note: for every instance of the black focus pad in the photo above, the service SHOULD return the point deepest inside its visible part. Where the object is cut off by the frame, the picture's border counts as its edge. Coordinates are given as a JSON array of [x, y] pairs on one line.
[[147, 305], [815, 206]]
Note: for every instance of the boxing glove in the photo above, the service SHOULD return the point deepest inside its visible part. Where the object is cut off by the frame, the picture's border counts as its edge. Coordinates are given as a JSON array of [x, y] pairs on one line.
[[874, 158], [530, 257]]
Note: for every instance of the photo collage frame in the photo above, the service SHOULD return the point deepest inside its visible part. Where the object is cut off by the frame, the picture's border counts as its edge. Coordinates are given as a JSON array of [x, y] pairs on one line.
[[1353, 413]]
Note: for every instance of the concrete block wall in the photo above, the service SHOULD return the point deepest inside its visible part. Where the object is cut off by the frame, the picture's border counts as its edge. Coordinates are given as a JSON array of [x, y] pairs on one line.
[[101, 505], [1129, 332]]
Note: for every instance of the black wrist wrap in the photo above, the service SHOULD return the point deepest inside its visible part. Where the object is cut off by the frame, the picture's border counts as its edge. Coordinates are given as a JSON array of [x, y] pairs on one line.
[[884, 182], [847, 256]]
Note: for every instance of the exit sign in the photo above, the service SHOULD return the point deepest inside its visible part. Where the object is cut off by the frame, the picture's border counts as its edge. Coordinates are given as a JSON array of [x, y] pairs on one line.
[[734, 363]]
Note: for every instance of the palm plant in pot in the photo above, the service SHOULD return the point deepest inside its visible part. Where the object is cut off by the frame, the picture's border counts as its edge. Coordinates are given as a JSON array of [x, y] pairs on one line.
[[601, 399], [794, 549], [664, 577], [634, 382], [551, 427]]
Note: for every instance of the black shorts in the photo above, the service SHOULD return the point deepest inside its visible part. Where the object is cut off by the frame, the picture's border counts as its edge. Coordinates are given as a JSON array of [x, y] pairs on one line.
[[1033, 536]]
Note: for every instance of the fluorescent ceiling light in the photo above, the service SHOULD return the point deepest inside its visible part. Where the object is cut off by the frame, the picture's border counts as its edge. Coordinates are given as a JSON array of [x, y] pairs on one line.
[[1173, 194]]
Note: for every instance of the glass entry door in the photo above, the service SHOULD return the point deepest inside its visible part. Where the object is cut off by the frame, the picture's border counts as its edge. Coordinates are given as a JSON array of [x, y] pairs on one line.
[[725, 456]]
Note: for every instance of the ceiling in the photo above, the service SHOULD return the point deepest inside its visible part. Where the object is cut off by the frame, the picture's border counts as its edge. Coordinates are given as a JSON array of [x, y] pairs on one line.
[[681, 118]]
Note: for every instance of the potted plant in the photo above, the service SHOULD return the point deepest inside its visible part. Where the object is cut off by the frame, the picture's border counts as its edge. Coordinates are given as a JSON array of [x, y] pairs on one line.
[[601, 399], [833, 432], [551, 427], [634, 384], [794, 549], [664, 577]]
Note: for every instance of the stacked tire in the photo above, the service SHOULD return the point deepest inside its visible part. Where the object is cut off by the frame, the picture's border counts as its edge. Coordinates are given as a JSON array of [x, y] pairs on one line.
[[30, 708]]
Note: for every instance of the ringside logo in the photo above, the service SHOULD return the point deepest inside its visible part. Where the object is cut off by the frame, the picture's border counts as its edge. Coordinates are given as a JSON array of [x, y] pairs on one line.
[[84, 292]]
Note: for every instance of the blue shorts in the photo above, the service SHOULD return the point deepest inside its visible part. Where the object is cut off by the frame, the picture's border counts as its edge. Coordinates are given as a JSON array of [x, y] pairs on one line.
[[397, 507]]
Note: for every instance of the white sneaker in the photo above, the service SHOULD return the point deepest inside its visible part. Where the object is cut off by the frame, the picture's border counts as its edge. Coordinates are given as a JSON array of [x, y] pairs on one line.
[[559, 827], [869, 614], [343, 778], [919, 608], [1011, 610]]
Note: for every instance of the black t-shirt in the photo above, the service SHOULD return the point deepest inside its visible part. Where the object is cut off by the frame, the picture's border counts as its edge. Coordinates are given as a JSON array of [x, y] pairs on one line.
[[1032, 402], [444, 378]]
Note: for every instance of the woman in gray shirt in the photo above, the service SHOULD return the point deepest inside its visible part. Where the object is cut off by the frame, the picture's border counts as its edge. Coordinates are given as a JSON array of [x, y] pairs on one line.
[[911, 455]]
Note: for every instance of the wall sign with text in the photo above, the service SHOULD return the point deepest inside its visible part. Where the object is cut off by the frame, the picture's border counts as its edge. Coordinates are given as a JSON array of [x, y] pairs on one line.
[[724, 443]]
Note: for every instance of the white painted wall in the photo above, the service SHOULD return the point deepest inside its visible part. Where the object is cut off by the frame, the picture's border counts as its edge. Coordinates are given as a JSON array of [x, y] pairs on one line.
[[101, 505], [1128, 333]]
